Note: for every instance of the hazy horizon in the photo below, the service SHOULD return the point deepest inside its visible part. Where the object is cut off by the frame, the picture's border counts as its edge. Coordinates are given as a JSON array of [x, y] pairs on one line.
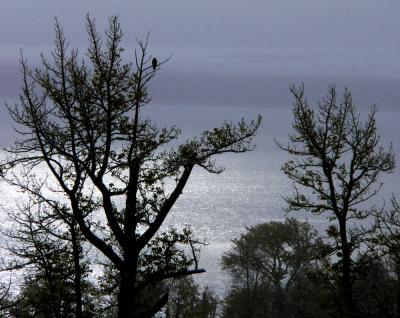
[[356, 38]]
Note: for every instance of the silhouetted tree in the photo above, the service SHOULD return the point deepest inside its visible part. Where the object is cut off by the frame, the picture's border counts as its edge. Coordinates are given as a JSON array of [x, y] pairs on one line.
[[7, 300], [82, 122], [335, 166], [374, 288], [388, 239], [187, 300], [265, 263], [48, 246]]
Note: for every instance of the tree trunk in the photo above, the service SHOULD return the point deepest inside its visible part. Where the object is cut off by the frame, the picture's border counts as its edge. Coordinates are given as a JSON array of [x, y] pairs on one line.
[[78, 272], [348, 309], [127, 294], [398, 287]]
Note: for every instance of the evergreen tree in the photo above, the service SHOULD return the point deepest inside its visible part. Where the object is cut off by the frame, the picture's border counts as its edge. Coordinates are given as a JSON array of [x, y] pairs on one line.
[[83, 122], [335, 167]]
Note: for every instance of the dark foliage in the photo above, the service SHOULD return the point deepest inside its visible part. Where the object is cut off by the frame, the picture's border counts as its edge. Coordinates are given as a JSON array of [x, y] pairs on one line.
[[335, 168], [81, 121]]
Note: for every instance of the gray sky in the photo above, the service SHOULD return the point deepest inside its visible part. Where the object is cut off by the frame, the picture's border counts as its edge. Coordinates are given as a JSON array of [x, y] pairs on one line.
[[214, 24], [342, 38]]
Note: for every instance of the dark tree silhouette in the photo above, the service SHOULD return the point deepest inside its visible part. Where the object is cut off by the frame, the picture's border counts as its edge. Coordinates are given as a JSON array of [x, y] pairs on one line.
[[265, 263], [388, 240], [81, 121], [335, 166], [188, 300], [46, 244]]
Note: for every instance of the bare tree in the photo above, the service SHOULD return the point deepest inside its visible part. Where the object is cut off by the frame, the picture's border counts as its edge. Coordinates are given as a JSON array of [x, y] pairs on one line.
[[82, 121], [335, 166]]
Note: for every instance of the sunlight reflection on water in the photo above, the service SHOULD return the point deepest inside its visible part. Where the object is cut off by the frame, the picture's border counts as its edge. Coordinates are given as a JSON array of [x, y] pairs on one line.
[[249, 191]]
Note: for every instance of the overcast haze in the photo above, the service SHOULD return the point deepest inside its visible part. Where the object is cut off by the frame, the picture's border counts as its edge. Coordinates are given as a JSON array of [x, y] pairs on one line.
[[254, 23], [361, 36], [228, 51]]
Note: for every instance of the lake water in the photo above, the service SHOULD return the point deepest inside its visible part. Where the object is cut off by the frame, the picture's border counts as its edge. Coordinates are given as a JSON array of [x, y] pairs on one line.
[[249, 191]]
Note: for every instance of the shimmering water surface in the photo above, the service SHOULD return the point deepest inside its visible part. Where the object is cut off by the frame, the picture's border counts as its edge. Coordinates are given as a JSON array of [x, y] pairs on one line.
[[249, 191]]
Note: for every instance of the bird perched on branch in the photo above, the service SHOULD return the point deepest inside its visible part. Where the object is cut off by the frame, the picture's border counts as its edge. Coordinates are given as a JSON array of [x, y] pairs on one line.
[[154, 63]]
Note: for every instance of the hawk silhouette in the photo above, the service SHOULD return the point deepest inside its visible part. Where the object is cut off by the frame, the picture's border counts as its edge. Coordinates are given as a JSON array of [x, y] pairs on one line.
[[154, 63]]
